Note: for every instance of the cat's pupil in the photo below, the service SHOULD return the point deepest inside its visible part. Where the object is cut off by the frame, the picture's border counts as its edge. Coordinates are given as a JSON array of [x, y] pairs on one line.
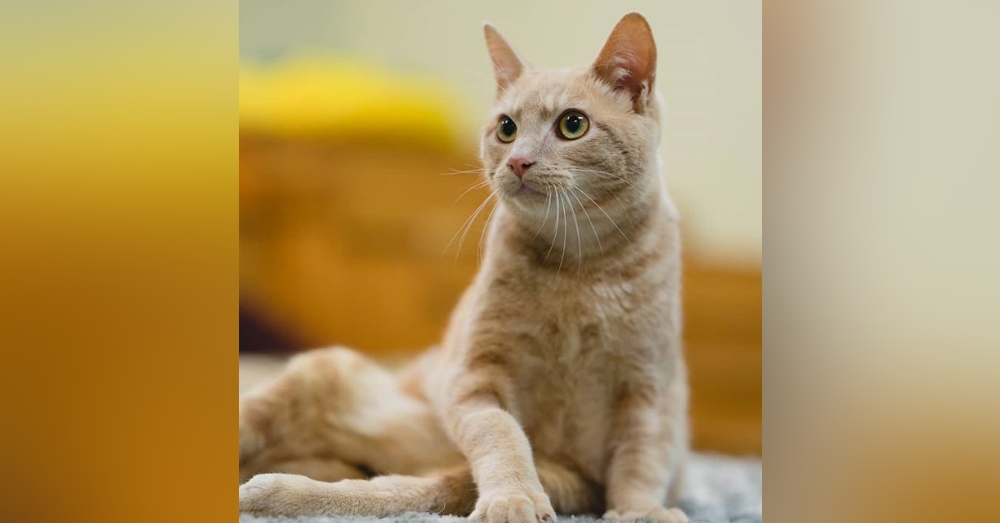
[[573, 123], [507, 127]]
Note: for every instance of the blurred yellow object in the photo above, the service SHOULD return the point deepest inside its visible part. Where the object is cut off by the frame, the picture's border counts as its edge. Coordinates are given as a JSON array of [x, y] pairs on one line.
[[315, 96]]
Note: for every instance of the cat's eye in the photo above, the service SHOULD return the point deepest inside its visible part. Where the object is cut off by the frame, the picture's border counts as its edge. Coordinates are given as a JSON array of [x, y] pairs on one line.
[[506, 129], [573, 124]]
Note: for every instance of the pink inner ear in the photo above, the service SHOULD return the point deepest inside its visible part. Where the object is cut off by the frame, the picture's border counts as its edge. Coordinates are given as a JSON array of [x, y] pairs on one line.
[[633, 70], [628, 58]]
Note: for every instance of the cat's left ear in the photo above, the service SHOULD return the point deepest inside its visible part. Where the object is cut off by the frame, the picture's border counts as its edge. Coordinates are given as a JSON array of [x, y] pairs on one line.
[[628, 60], [507, 64]]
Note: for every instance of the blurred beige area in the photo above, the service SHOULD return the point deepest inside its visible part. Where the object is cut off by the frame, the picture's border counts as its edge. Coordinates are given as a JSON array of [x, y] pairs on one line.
[[359, 129]]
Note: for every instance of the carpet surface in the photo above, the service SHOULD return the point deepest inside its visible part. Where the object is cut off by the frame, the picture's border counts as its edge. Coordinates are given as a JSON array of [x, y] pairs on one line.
[[717, 489]]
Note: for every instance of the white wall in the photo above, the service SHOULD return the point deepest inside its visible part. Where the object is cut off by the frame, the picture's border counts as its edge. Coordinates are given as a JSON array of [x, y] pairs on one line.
[[709, 72]]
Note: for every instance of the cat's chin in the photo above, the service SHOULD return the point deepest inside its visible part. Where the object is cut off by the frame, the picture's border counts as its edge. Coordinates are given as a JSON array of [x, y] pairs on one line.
[[527, 199], [525, 192]]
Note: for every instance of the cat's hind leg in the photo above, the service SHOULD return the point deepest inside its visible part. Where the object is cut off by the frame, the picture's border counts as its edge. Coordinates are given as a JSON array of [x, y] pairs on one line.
[[451, 493], [334, 413], [289, 495]]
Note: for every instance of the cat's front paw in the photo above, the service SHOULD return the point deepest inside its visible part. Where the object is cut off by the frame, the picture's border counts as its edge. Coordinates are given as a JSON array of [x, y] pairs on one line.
[[520, 506], [657, 514]]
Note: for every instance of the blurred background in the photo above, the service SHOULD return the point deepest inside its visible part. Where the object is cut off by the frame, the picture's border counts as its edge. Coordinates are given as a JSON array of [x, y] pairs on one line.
[[356, 119]]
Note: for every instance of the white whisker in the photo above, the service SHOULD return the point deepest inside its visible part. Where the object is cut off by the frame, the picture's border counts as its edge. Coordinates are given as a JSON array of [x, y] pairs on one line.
[[486, 226], [562, 255], [468, 221], [579, 242], [461, 241], [548, 203], [474, 187], [606, 214], [555, 230], [587, 214], [613, 175]]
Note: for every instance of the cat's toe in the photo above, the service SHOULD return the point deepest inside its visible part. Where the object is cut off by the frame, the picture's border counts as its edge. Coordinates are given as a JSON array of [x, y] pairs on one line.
[[514, 507]]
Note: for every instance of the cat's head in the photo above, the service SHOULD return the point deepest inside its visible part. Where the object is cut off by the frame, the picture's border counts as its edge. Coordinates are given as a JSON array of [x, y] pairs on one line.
[[582, 135]]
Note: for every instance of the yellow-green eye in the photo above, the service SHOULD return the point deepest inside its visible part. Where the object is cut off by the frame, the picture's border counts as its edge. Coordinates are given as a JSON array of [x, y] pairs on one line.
[[573, 124], [506, 130]]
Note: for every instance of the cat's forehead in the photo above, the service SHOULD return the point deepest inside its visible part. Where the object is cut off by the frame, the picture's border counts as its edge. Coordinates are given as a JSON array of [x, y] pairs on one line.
[[546, 91]]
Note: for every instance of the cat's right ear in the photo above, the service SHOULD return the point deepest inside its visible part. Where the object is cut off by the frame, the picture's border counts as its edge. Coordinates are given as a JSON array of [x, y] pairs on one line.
[[507, 65]]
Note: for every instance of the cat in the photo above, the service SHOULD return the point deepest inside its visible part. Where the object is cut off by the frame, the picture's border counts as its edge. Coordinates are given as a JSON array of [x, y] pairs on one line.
[[560, 384]]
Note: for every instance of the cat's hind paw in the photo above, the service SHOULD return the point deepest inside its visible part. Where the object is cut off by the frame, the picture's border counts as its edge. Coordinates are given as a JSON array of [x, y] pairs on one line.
[[274, 495]]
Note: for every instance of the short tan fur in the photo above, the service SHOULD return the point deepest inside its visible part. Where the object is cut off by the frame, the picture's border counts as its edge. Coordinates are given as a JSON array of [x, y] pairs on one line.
[[560, 384]]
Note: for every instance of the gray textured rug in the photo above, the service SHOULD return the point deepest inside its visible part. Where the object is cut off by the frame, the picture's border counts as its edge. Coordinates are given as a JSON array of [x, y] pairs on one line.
[[717, 489]]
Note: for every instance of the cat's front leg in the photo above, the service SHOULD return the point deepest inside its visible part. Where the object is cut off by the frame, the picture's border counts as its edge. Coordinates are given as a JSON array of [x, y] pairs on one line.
[[649, 435], [497, 449]]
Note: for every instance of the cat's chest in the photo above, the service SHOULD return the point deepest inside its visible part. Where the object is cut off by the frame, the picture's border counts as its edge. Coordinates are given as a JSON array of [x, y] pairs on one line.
[[568, 384], [566, 403], [583, 332], [587, 323]]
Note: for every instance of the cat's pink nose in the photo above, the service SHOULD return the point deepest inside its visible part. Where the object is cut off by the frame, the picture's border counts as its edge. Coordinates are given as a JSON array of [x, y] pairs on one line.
[[520, 164]]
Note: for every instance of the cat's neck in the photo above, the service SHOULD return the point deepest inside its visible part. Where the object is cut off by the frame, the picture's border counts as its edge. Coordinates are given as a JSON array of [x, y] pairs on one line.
[[586, 232]]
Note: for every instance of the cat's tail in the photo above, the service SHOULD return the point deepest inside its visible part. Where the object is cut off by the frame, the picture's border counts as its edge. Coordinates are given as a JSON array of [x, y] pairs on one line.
[[450, 493]]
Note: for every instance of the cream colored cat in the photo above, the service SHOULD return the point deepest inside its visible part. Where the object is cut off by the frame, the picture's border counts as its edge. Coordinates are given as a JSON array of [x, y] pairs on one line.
[[560, 384]]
